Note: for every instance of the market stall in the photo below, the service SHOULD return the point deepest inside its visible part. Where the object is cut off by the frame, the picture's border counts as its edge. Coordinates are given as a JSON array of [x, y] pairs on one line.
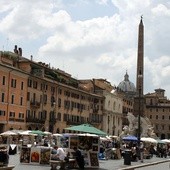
[[89, 145], [35, 155]]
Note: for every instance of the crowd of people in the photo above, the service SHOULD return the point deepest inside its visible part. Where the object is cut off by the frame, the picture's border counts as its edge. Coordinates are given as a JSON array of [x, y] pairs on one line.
[[58, 153], [138, 151]]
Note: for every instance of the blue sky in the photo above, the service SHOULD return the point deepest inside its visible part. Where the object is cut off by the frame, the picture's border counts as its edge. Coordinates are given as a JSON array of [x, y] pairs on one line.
[[91, 38]]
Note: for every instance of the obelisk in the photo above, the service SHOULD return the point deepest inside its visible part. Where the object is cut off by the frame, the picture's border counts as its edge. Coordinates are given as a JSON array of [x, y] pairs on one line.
[[139, 99]]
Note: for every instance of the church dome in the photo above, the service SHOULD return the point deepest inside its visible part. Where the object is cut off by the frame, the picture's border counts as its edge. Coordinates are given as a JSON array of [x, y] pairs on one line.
[[126, 85]]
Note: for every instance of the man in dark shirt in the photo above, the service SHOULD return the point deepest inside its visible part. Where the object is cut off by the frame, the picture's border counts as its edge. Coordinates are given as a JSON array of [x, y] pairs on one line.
[[79, 158]]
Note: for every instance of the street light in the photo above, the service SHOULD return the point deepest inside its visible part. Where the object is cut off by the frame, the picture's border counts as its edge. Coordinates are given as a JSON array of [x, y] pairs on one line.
[[139, 114]]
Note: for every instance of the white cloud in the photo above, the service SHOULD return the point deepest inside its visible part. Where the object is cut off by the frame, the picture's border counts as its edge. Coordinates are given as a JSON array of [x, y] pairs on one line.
[[104, 46], [161, 10]]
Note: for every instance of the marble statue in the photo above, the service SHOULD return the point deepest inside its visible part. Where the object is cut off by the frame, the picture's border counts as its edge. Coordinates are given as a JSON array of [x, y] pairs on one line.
[[145, 124]]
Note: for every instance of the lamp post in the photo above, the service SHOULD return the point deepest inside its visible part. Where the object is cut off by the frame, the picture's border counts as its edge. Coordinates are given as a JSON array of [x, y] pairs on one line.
[[54, 116], [139, 127], [139, 114]]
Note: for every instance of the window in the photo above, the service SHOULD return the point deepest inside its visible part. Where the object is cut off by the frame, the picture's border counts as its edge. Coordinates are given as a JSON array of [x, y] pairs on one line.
[[59, 102], [162, 127], [3, 97], [46, 87], [45, 99], [28, 96], [156, 116], [11, 114], [156, 127], [12, 99], [34, 84], [163, 117], [29, 83], [52, 90], [21, 115], [21, 101], [3, 80], [13, 83], [109, 103], [2, 113], [59, 91], [150, 116], [22, 85], [114, 105]]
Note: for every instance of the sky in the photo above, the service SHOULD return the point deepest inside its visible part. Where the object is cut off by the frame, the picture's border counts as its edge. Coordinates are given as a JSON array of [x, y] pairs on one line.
[[92, 38]]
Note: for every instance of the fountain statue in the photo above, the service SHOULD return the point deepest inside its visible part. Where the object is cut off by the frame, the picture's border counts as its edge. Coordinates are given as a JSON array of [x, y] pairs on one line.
[[146, 127]]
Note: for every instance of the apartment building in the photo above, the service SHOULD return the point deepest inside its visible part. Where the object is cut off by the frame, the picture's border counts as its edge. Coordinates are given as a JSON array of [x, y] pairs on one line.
[[158, 111], [112, 106], [36, 96]]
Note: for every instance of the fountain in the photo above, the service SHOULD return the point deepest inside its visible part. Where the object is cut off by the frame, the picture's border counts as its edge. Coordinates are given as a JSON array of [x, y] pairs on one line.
[[146, 127]]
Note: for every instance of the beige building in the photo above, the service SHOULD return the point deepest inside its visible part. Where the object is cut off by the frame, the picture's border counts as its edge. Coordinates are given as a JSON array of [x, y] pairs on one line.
[[35, 96], [112, 116], [158, 111], [112, 106]]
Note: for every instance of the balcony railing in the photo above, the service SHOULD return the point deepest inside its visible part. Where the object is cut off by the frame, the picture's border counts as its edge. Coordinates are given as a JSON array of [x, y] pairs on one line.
[[70, 122], [15, 120], [35, 120], [52, 120], [35, 104]]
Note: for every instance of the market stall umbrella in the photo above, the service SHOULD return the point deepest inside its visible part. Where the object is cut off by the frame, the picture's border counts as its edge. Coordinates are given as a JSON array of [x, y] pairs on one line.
[[47, 133], [166, 140], [26, 132], [8, 133], [38, 132], [130, 138], [57, 134], [148, 139], [87, 128], [160, 141]]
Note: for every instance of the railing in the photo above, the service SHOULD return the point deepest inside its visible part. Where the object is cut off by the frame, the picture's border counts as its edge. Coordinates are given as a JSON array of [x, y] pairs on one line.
[[35, 120], [35, 104]]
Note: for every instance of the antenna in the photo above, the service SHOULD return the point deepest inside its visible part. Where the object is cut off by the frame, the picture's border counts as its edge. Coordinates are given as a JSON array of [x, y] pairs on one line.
[[7, 43], [63, 65]]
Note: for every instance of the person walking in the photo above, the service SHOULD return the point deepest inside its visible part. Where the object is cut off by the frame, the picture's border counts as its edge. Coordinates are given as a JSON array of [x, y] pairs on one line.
[[141, 151], [79, 158]]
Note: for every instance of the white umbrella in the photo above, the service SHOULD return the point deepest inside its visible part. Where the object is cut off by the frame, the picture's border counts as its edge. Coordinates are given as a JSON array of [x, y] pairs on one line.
[[27, 132], [8, 133], [47, 133], [57, 134], [148, 139], [166, 140]]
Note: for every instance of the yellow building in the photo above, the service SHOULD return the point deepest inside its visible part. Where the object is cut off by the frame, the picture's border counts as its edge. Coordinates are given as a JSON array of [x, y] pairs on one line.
[[35, 96]]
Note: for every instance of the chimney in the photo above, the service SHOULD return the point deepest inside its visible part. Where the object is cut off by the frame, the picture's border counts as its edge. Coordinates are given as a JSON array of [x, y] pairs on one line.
[[15, 49], [31, 57], [20, 51]]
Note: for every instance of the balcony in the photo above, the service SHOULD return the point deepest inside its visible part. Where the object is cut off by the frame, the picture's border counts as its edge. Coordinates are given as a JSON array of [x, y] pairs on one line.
[[70, 122], [35, 104], [52, 120], [12, 119], [35, 120], [95, 110]]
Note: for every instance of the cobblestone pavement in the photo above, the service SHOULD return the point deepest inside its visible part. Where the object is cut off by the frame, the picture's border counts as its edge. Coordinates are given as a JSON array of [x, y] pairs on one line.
[[104, 164]]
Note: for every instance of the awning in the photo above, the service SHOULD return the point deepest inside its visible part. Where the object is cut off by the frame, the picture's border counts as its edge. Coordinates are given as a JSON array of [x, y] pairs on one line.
[[87, 128]]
